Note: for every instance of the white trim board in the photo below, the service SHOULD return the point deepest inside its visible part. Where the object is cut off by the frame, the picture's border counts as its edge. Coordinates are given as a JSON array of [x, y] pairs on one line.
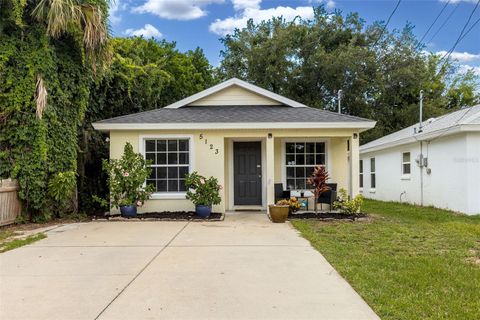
[[231, 200], [361, 125], [241, 84]]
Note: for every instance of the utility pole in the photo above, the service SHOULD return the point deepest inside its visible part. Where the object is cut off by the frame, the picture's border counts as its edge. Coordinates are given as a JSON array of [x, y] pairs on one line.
[[421, 112], [340, 101]]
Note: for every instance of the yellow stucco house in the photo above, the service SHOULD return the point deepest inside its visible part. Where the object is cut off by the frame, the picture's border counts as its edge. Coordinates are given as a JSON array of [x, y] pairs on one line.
[[247, 137]]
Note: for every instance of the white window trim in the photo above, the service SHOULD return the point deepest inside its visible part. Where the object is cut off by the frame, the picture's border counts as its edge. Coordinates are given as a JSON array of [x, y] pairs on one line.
[[283, 154], [361, 172], [231, 172], [191, 166], [374, 189], [405, 176]]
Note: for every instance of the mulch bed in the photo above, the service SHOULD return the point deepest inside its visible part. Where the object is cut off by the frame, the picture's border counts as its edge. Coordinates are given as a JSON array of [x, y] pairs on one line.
[[163, 216], [332, 215]]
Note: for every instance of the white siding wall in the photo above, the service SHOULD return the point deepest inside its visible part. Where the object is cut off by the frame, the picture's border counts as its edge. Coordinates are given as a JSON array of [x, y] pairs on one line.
[[454, 181], [473, 168]]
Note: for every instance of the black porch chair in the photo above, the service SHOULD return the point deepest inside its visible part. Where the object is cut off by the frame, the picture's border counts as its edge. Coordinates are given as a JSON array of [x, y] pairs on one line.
[[328, 197], [280, 193]]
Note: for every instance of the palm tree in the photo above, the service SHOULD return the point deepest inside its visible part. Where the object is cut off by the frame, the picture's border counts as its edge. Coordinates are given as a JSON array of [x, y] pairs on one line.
[[73, 16]]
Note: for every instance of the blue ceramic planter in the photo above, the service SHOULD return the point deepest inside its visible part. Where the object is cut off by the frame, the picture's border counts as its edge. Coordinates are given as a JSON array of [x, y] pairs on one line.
[[203, 211], [128, 211]]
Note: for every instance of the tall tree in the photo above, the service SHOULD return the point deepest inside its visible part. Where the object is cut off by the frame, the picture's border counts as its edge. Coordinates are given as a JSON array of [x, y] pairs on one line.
[[380, 73], [49, 50], [144, 74]]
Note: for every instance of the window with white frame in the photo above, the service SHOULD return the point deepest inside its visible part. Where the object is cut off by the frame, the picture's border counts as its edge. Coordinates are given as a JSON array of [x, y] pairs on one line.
[[406, 163], [170, 162], [373, 181], [361, 174], [301, 158]]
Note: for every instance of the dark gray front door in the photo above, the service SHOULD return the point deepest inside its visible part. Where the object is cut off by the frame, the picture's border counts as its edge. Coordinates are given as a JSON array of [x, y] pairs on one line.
[[247, 179]]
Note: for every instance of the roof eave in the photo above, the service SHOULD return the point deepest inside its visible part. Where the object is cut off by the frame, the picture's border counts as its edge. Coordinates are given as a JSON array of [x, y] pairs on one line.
[[361, 126], [420, 137]]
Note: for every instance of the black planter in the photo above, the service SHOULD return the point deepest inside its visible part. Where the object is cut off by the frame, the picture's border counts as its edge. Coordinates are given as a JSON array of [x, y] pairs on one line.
[[128, 211]]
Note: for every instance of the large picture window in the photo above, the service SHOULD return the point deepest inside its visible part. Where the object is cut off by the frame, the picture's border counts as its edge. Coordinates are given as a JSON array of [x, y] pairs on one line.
[[301, 158], [170, 160]]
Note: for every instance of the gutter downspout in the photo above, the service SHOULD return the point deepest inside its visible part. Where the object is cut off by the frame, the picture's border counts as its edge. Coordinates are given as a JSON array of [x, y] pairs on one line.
[[421, 173]]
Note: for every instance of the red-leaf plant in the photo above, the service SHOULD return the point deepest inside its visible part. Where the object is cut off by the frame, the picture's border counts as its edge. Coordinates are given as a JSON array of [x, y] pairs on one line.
[[318, 180]]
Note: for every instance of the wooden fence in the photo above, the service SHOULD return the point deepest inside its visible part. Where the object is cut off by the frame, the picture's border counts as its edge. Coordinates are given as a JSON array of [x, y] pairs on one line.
[[10, 206]]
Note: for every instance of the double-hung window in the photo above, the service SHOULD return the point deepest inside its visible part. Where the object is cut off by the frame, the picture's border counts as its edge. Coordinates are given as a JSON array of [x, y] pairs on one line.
[[170, 162], [361, 174], [406, 164], [301, 158], [373, 180]]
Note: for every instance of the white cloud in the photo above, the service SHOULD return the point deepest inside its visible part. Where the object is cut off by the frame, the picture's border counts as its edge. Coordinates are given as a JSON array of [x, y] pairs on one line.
[[329, 4], [464, 68], [114, 12], [244, 4], [176, 9], [228, 25], [148, 31], [461, 56]]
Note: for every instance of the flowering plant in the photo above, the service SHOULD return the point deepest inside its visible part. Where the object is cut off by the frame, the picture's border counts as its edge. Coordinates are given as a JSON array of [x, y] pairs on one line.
[[292, 203], [126, 178], [202, 191], [347, 205]]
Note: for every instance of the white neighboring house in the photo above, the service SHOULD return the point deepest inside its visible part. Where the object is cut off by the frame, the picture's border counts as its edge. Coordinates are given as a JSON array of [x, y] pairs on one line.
[[438, 165]]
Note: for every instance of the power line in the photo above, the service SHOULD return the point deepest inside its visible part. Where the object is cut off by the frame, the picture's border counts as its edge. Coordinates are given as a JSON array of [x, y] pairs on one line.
[[470, 29], [444, 22], [447, 55], [388, 21], [433, 23]]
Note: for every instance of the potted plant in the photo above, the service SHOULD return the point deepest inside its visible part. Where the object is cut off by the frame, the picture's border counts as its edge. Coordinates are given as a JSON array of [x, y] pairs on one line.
[[279, 211], [203, 193], [318, 180], [126, 179]]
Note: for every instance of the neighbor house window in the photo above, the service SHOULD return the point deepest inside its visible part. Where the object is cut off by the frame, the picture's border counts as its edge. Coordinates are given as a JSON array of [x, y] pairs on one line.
[[373, 182], [301, 158], [406, 165], [170, 162], [361, 174]]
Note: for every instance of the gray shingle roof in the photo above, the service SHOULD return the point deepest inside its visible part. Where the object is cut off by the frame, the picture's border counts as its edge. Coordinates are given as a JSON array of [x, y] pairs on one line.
[[465, 116], [234, 114]]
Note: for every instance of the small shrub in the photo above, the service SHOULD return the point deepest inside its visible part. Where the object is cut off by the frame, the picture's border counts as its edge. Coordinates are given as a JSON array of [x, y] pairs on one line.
[[347, 205], [202, 191], [126, 179]]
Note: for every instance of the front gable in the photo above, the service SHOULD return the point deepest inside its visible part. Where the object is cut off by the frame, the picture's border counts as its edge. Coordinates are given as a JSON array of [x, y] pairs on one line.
[[234, 95], [235, 92]]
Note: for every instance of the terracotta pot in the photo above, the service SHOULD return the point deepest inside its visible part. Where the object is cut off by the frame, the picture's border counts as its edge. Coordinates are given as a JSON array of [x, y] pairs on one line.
[[278, 213]]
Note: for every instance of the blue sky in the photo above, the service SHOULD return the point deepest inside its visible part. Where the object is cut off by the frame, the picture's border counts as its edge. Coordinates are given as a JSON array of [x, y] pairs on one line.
[[202, 23]]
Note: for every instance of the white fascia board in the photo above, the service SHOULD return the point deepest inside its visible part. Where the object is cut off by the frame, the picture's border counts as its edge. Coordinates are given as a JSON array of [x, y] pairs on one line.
[[240, 83], [470, 127], [233, 125], [418, 137]]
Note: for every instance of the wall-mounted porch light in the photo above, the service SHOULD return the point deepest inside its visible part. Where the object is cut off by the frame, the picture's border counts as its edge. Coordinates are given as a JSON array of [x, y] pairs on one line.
[[270, 135]]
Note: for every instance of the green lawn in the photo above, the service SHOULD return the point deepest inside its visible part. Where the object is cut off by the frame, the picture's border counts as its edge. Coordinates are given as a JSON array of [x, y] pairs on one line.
[[408, 262]]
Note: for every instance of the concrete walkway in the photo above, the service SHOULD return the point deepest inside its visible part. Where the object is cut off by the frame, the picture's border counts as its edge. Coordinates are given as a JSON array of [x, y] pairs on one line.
[[242, 268]]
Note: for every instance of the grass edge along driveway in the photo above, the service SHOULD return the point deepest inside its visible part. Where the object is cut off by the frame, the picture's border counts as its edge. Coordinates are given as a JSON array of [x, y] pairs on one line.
[[408, 262]]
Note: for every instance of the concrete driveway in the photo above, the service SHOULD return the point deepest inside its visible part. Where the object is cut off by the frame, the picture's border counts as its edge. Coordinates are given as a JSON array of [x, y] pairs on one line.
[[242, 268]]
